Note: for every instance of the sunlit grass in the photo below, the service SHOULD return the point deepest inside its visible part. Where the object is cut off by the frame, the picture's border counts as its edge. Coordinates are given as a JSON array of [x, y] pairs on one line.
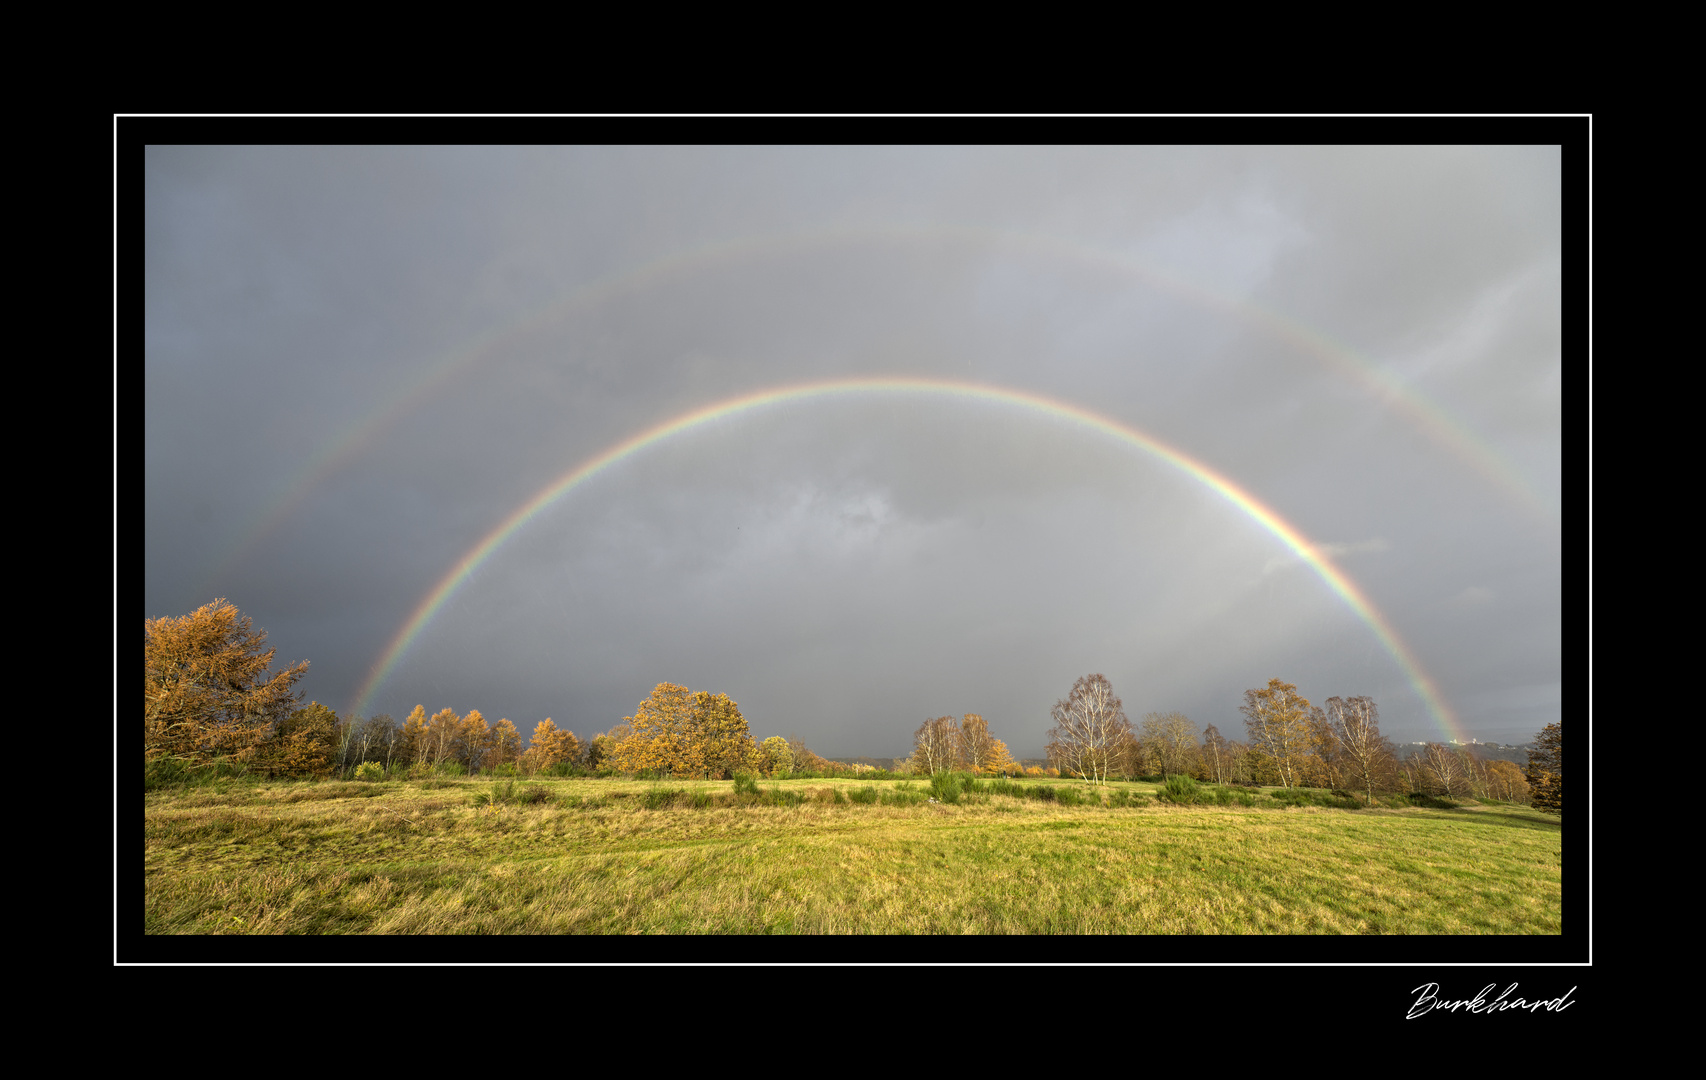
[[817, 856]]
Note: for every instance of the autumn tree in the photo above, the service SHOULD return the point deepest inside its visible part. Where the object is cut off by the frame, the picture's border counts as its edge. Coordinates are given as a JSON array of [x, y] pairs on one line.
[[658, 732], [1172, 739], [472, 741], [1545, 772], [1001, 759], [1216, 754], [1088, 726], [1505, 781], [411, 740], [438, 741], [207, 690], [1354, 726], [301, 745], [976, 744], [503, 744], [1442, 768], [936, 744], [551, 744], [718, 741], [1277, 719], [776, 755]]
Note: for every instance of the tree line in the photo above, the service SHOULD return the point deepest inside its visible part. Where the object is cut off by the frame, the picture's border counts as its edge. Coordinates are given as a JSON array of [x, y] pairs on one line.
[[210, 696], [1289, 742]]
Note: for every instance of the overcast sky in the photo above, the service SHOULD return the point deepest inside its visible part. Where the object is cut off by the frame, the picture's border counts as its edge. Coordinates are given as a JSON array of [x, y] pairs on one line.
[[361, 362]]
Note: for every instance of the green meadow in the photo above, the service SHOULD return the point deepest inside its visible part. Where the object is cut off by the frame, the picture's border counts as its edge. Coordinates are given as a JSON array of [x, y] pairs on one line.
[[608, 856]]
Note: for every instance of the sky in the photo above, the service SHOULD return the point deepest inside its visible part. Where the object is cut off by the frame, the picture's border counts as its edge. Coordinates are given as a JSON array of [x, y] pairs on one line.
[[861, 436]]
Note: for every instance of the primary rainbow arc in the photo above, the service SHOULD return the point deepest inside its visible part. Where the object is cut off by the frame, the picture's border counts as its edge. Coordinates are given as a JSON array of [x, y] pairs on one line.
[[1347, 590]]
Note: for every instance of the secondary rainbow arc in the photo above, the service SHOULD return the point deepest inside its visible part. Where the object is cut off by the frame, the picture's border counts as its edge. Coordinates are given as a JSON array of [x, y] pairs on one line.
[[1342, 586], [364, 432]]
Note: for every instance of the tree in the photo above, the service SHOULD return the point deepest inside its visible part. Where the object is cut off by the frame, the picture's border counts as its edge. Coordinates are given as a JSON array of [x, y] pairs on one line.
[[1354, 725], [503, 744], [718, 741], [411, 740], [1088, 726], [1277, 718], [207, 691], [1442, 766], [1172, 740], [936, 744], [1545, 772], [1505, 781], [658, 735], [551, 744], [1216, 754], [301, 745], [442, 733], [375, 739], [977, 745], [472, 741], [777, 756]]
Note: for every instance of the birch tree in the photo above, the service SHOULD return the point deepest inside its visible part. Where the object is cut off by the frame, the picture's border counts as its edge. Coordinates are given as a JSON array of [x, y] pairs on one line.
[[1089, 724], [936, 744], [1354, 724], [1277, 718]]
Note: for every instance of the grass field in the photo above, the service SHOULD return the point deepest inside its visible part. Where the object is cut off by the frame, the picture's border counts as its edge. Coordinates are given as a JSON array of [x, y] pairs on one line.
[[584, 856]]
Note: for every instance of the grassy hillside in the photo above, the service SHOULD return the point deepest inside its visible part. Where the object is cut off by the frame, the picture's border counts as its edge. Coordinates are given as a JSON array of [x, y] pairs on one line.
[[831, 857]]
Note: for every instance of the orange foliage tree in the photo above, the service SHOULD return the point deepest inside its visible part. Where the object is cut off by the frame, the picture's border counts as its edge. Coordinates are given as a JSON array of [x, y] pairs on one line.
[[207, 691]]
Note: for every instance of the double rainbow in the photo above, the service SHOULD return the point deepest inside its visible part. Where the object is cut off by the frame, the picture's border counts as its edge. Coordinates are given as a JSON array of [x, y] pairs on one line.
[[1310, 553]]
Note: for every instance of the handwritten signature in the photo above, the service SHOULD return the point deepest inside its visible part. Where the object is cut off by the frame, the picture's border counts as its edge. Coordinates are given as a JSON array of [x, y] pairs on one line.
[[1429, 1000]]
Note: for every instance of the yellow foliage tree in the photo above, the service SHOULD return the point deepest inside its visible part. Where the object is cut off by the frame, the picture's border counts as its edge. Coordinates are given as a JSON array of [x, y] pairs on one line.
[[207, 692], [441, 735], [473, 741], [301, 745], [658, 732], [552, 744], [503, 744], [1278, 719], [718, 742], [411, 740]]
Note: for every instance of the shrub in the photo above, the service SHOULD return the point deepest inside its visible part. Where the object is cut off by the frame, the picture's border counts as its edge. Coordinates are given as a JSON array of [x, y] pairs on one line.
[[1070, 796], [946, 786], [746, 783], [370, 770], [866, 795], [1179, 789]]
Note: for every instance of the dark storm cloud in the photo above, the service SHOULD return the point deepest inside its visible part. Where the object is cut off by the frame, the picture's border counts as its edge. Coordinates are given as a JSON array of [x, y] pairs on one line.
[[844, 569]]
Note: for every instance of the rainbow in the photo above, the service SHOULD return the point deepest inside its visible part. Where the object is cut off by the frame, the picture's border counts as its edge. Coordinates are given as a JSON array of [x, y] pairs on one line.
[[360, 434], [1310, 553]]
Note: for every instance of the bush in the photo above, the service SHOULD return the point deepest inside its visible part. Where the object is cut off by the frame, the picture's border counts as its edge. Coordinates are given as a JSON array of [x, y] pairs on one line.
[[507, 768], [903, 795], [866, 795], [1179, 789], [946, 786], [1071, 796], [369, 771], [746, 783]]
